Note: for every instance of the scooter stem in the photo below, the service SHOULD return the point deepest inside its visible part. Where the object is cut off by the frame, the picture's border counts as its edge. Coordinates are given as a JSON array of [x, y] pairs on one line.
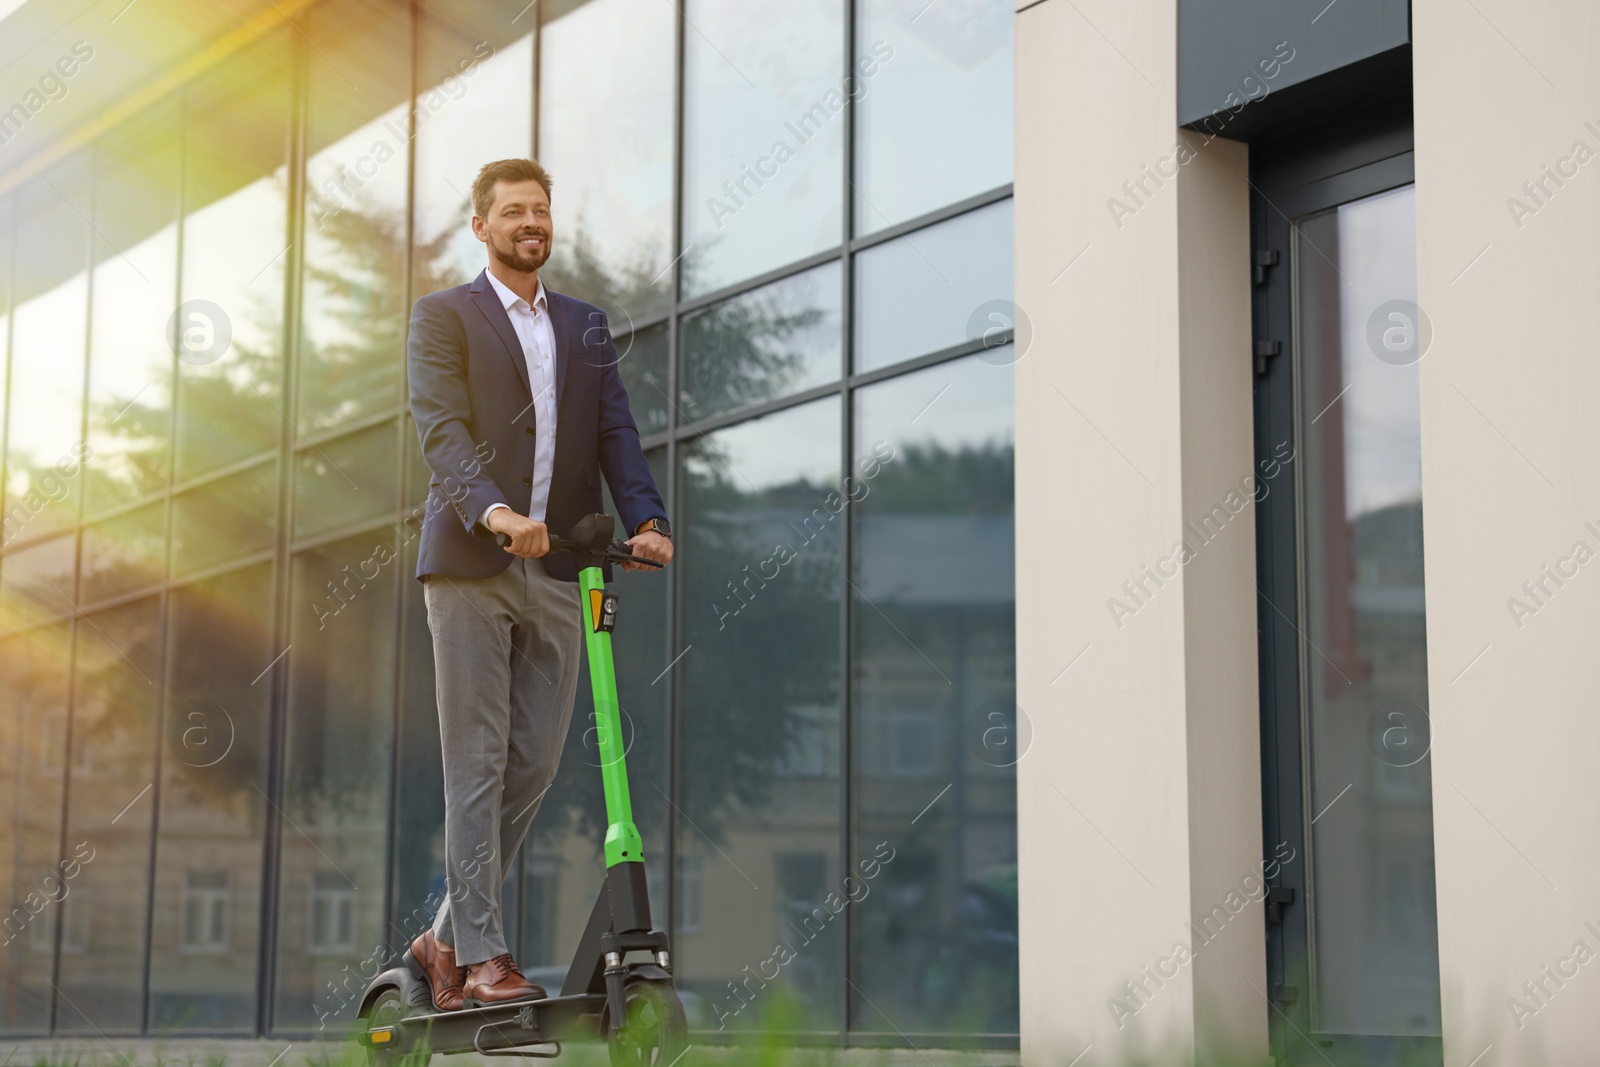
[[623, 844]]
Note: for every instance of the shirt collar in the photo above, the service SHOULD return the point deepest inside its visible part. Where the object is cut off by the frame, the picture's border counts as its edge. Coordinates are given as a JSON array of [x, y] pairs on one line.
[[508, 298]]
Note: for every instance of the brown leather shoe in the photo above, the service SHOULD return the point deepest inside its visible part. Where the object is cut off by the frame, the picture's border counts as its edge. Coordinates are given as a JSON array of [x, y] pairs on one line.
[[499, 979], [438, 966]]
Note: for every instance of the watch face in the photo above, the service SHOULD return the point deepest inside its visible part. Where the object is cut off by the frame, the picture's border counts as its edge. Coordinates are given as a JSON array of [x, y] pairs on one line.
[[662, 527]]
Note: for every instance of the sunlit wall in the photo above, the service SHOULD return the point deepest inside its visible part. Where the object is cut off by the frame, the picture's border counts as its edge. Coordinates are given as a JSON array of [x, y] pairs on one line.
[[222, 799]]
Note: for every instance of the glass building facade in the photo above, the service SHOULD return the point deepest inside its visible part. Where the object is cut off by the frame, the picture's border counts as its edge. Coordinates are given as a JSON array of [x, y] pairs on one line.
[[222, 798]]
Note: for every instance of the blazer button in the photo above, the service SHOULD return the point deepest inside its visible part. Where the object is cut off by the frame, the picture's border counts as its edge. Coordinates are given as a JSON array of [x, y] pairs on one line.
[[527, 481], [530, 430]]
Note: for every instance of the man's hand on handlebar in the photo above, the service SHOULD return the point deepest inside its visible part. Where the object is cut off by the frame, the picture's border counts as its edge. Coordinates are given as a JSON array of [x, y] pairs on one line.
[[650, 545], [528, 538]]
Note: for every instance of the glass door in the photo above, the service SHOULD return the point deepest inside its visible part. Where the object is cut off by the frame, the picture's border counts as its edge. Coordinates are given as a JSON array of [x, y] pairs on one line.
[[1353, 953]]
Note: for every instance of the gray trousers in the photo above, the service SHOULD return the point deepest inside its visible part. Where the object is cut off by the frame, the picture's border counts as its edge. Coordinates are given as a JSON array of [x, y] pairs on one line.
[[505, 654]]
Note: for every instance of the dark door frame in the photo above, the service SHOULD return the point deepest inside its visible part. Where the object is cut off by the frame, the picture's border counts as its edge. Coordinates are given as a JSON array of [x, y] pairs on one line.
[[1356, 157]]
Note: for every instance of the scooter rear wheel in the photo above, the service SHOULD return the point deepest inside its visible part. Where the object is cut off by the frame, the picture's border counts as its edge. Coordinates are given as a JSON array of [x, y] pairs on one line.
[[654, 1033], [388, 1010]]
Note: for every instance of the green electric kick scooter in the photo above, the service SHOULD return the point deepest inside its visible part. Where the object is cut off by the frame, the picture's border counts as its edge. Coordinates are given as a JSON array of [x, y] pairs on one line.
[[619, 987]]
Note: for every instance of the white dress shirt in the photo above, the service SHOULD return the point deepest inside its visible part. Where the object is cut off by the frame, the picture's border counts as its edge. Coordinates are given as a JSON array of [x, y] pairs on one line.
[[538, 339]]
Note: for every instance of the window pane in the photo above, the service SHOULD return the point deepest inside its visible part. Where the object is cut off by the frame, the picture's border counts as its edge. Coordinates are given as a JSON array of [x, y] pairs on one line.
[[336, 792], [123, 554], [1375, 947], [45, 447], [36, 583], [920, 293], [135, 285], [116, 719], [228, 519], [779, 339], [644, 373], [763, 137], [344, 481], [930, 74], [605, 132], [7, 214], [935, 684], [759, 712], [208, 860], [351, 319], [475, 67], [419, 812], [235, 242], [33, 748]]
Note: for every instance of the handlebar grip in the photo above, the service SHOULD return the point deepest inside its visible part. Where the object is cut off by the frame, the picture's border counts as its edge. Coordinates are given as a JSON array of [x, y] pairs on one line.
[[557, 544]]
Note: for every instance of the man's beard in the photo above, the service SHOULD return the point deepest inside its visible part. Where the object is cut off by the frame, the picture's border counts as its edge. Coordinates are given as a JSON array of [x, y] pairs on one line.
[[517, 259]]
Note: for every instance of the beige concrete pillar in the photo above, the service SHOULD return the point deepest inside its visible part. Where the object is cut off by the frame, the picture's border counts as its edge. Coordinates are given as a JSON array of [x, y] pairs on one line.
[[1140, 818], [1508, 249]]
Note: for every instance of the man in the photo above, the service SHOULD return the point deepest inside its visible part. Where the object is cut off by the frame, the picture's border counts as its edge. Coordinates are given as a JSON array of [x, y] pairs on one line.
[[520, 409]]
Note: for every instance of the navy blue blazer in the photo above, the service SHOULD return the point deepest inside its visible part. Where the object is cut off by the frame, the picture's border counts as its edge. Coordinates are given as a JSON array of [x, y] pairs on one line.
[[475, 417]]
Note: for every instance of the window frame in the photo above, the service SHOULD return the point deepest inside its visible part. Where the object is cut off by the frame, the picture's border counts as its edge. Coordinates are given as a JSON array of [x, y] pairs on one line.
[[1293, 181]]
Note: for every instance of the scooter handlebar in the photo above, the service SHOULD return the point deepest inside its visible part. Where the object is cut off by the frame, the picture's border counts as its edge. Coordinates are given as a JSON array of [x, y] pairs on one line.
[[616, 553]]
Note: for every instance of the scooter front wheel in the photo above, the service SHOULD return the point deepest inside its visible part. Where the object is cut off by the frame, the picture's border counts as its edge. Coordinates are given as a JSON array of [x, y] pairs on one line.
[[654, 1032], [387, 1011]]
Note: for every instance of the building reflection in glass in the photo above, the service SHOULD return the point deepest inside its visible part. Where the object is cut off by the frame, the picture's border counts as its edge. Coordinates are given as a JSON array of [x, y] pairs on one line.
[[759, 785], [937, 735]]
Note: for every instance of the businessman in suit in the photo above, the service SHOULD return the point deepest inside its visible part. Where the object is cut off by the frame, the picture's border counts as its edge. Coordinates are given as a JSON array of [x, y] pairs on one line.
[[520, 410]]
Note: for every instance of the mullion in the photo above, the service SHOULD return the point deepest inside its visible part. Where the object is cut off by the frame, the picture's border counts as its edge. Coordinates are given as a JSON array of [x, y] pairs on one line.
[[757, 281], [846, 531], [168, 496], [932, 218], [391, 831], [277, 696], [674, 508], [92, 155]]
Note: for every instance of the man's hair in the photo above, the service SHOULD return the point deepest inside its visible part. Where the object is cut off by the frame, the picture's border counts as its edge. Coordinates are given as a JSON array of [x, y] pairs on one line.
[[505, 170]]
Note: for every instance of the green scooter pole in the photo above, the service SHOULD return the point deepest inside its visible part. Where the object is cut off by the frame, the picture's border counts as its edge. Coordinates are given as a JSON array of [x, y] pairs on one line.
[[591, 546], [623, 844]]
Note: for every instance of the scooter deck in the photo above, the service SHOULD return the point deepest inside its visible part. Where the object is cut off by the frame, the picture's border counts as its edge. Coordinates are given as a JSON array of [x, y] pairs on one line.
[[493, 1027]]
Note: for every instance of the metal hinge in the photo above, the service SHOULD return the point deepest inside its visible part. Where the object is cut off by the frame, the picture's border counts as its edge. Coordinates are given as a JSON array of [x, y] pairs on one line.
[[1285, 994], [1277, 900], [1265, 350], [1262, 261]]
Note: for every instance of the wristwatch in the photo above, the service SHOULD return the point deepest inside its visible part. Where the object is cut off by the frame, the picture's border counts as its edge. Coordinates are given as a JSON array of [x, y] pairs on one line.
[[660, 526]]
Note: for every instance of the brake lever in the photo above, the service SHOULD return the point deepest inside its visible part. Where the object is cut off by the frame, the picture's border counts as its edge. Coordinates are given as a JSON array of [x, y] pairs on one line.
[[618, 553]]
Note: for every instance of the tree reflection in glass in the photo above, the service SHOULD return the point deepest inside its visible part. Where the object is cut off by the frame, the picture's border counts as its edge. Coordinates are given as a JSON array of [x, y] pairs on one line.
[[605, 132], [758, 788], [235, 243], [43, 482], [777, 340], [352, 311], [135, 279]]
